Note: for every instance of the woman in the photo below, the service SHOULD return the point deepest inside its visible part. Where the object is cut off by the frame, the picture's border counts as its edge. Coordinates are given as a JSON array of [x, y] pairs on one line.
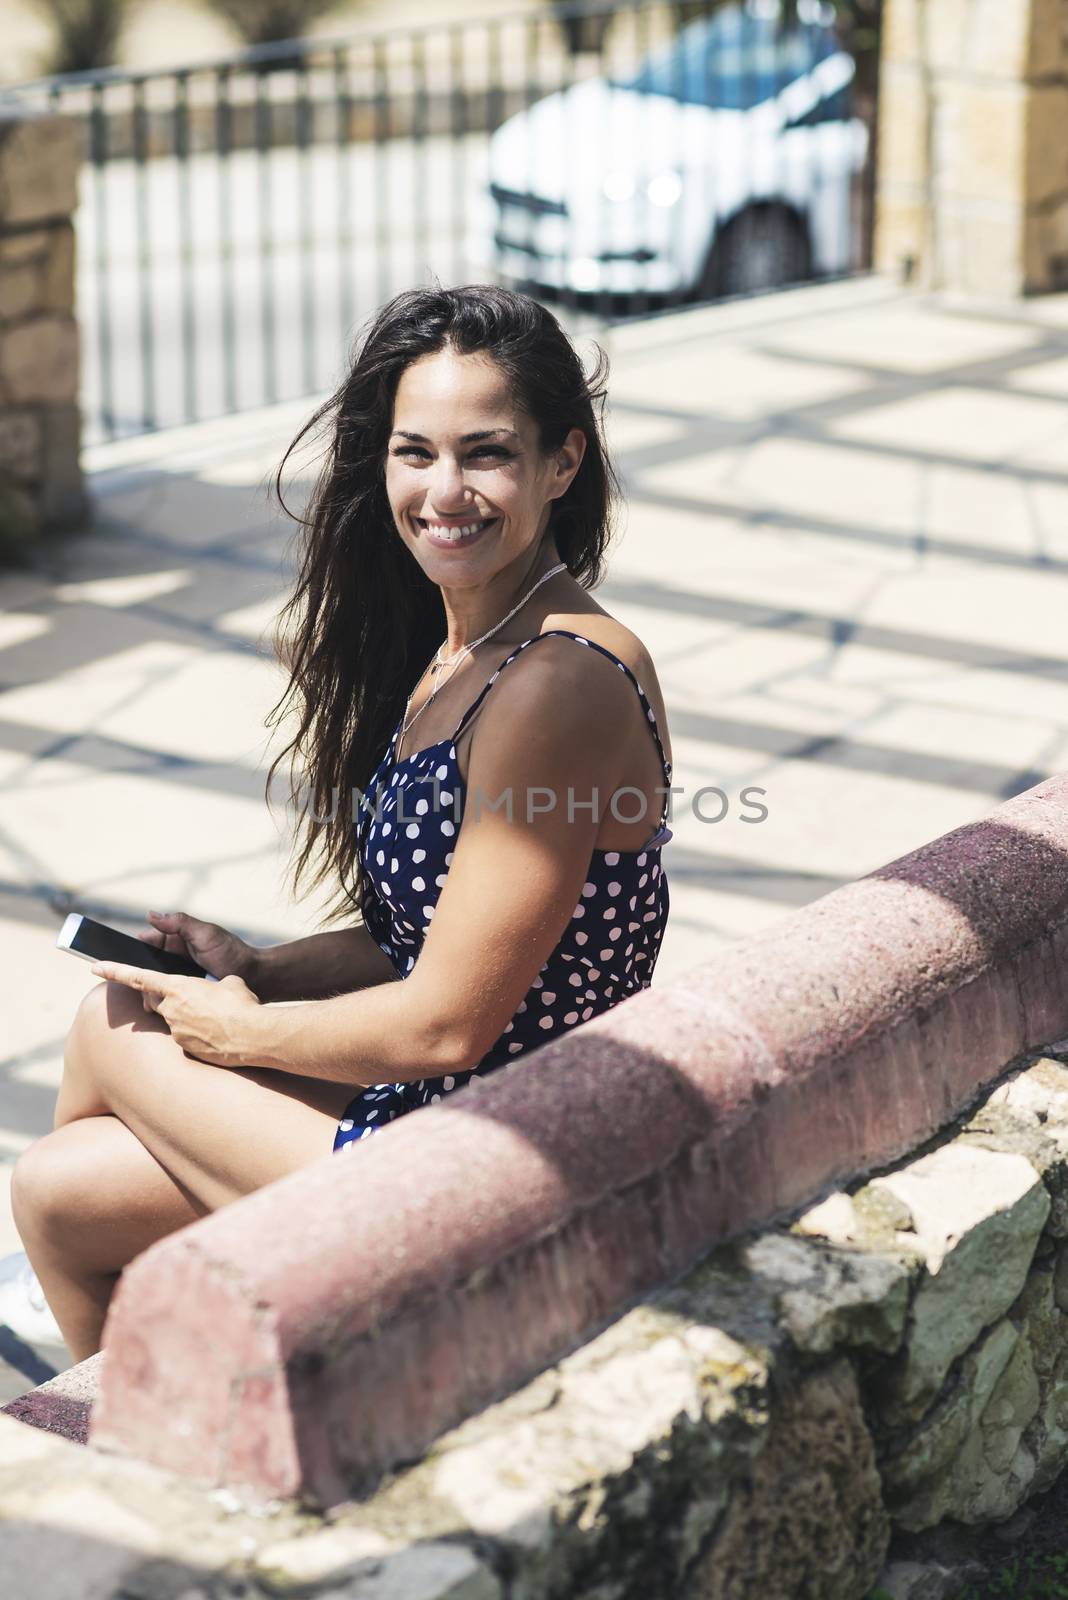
[[446, 662]]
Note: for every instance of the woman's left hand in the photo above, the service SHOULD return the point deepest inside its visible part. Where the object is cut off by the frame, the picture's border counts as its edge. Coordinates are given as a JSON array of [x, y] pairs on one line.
[[211, 1021]]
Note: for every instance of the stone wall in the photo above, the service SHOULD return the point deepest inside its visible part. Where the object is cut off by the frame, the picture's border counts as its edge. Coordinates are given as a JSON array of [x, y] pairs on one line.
[[40, 480], [786, 1423], [972, 181]]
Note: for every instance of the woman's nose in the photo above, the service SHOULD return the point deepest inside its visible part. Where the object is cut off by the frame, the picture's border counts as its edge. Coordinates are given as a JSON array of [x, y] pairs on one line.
[[449, 491]]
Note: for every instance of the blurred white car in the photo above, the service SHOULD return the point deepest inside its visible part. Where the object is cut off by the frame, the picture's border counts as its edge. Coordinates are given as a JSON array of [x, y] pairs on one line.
[[723, 165]]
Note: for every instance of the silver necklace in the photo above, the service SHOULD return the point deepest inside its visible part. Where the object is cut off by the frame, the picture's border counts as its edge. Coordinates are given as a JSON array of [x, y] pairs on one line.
[[437, 664]]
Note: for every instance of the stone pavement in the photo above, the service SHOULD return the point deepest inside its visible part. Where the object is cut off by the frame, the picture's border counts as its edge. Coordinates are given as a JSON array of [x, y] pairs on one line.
[[846, 548]]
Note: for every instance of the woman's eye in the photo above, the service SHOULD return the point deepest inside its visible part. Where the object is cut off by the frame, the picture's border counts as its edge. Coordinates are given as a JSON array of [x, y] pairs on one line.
[[416, 450]]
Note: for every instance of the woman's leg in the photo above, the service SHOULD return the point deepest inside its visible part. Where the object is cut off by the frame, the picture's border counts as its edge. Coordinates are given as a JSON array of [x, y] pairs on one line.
[[189, 1137], [86, 1200]]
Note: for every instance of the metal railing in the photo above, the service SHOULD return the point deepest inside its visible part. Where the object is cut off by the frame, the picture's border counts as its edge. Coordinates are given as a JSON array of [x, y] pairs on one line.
[[238, 218]]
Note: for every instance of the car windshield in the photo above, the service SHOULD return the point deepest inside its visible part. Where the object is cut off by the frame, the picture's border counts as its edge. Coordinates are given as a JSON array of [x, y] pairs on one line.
[[732, 61]]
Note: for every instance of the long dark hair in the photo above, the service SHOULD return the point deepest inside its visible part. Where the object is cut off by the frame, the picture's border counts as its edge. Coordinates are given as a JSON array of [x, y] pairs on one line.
[[364, 618]]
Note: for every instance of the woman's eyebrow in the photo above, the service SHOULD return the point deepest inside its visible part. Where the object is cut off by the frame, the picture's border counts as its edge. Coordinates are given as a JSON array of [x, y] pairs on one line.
[[467, 438]]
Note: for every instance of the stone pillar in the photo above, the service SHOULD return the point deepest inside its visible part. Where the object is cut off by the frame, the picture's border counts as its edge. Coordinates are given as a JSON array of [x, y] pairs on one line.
[[41, 486], [972, 179]]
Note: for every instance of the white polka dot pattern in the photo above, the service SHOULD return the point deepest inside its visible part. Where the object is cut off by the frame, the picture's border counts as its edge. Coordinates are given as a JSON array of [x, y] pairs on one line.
[[594, 966]]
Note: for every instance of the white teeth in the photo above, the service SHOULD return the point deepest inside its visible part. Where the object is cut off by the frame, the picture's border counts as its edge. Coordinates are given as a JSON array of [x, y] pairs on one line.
[[454, 533]]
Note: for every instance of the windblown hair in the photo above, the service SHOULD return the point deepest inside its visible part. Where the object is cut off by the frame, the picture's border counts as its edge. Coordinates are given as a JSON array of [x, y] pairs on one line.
[[364, 619]]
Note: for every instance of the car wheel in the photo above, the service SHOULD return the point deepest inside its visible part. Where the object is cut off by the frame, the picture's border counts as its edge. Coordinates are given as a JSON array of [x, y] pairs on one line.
[[762, 248]]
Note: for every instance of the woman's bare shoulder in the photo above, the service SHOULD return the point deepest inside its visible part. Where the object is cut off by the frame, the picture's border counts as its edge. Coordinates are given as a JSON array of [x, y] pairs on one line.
[[605, 630]]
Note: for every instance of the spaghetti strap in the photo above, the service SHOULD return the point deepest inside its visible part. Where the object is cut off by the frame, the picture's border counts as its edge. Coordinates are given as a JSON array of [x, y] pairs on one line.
[[664, 832]]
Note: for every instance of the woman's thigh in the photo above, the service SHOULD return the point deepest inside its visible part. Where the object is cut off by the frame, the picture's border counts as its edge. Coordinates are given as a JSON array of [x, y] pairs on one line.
[[220, 1132]]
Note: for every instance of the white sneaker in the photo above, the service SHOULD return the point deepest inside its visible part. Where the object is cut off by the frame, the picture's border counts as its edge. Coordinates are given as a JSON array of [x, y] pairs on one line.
[[23, 1307]]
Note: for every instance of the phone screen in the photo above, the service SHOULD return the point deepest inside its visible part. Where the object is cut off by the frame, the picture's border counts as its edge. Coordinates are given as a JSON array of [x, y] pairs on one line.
[[98, 942]]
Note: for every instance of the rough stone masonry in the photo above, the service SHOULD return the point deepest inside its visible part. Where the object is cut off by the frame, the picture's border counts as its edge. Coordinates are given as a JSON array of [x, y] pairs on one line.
[[41, 485], [768, 1427]]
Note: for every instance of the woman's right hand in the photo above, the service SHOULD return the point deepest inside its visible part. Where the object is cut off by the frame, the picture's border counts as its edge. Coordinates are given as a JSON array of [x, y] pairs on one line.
[[215, 949]]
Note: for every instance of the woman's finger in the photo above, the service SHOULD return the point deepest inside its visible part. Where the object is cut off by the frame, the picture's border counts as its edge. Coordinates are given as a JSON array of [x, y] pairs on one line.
[[158, 984]]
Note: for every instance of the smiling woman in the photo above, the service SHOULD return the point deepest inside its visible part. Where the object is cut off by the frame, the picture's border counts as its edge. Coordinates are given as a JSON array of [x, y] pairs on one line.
[[500, 880]]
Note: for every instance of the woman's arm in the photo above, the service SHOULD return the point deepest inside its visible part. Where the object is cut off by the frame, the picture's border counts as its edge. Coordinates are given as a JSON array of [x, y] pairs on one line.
[[510, 892], [320, 965]]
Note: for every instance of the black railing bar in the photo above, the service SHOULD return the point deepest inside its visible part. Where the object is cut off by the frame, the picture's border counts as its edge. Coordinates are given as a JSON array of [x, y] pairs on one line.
[[227, 312], [144, 263], [531, 92], [568, 296], [382, 122], [266, 249], [492, 118], [605, 231], [185, 246], [345, 242], [305, 224], [639, 301], [99, 134], [676, 229], [457, 145], [420, 161]]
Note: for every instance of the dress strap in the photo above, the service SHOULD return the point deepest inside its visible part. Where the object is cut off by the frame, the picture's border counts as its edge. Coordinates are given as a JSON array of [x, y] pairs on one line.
[[664, 832]]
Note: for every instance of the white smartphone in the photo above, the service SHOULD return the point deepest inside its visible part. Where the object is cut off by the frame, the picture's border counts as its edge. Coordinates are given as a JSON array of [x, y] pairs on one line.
[[95, 941]]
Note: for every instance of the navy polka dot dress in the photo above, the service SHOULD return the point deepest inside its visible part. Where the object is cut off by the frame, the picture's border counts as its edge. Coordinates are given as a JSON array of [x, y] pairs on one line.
[[607, 951]]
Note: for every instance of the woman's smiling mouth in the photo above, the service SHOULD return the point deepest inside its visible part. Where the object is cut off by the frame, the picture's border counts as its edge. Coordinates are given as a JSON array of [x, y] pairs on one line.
[[444, 534]]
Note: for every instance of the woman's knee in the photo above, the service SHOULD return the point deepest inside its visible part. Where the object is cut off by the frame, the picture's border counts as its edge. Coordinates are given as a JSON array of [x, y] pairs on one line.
[[47, 1188], [103, 1007]]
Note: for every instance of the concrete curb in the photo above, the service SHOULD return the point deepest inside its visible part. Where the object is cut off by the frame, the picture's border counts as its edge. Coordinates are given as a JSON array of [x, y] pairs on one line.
[[62, 1405], [314, 1335]]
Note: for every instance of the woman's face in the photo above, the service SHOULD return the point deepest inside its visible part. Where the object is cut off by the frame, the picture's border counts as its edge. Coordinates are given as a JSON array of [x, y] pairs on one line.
[[497, 489]]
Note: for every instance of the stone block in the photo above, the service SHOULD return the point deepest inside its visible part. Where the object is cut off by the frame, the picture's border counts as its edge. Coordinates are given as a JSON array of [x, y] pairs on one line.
[[39, 361], [1046, 173], [903, 131], [24, 247], [901, 246], [322, 1555], [917, 1470], [58, 290], [902, 32], [1044, 1326], [424, 1572], [980, 249], [20, 515], [989, 38], [831, 1296], [1045, 248], [40, 158], [979, 141], [1048, 50], [944, 35], [21, 291], [810, 1519], [619, 1460], [21, 444], [37, 271], [926, 1580], [63, 498], [977, 1217]]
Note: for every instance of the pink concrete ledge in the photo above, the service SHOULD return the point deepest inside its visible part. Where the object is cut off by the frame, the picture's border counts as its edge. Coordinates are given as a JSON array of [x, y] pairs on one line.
[[62, 1405], [317, 1333]]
